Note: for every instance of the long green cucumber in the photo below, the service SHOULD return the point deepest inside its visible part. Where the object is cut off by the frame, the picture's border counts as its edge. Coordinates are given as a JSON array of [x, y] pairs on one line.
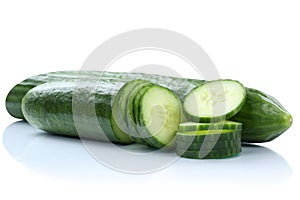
[[258, 107]]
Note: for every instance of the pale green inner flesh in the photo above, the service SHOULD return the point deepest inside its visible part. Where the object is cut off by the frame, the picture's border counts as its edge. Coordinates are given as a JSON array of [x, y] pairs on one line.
[[206, 132], [215, 98], [161, 113]]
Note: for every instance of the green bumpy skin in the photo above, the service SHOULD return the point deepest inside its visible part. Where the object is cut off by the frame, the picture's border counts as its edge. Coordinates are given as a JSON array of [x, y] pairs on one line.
[[50, 107], [263, 117]]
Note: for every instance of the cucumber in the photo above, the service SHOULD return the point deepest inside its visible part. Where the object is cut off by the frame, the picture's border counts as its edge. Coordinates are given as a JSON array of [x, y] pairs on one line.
[[215, 101], [263, 118], [194, 126], [208, 135], [49, 107], [208, 154], [259, 125], [160, 115], [208, 145]]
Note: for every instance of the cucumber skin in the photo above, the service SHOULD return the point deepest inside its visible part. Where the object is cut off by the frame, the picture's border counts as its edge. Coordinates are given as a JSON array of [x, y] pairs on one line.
[[208, 145], [50, 108], [209, 155], [263, 117], [250, 115]]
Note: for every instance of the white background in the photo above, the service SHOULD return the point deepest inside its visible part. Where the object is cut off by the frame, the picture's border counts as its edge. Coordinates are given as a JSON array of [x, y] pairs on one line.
[[255, 42]]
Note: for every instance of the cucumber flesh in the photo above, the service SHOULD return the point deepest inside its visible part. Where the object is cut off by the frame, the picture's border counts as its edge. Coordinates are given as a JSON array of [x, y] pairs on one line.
[[195, 126], [215, 101], [160, 115]]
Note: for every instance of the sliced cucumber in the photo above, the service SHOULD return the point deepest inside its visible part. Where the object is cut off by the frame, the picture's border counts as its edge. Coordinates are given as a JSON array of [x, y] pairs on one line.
[[235, 143], [195, 126], [136, 112], [215, 101], [121, 136], [208, 154], [129, 111], [208, 135], [119, 104], [160, 115]]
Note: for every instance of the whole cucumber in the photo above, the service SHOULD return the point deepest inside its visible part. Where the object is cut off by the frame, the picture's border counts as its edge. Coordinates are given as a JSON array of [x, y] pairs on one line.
[[262, 116]]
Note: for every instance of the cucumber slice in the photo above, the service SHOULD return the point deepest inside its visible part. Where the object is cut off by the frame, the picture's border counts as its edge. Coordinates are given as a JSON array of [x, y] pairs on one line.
[[208, 145], [130, 107], [136, 113], [208, 154], [215, 101], [195, 126], [119, 104], [121, 136], [160, 115], [208, 135]]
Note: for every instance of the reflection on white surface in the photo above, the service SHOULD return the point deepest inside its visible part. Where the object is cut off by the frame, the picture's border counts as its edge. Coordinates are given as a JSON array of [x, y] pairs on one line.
[[66, 157]]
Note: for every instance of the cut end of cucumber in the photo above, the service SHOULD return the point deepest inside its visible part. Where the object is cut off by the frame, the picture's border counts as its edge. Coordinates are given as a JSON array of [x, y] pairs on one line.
[[215, 100], [161, 114]]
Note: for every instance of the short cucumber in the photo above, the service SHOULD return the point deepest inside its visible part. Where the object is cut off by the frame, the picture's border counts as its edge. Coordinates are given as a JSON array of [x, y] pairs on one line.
[[195, 126], [160, 115], [215, 101], [208, 145], [208, 135]]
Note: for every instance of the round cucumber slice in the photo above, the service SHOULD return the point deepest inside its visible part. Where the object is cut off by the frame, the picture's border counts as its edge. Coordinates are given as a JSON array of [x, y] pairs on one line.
[[160, 115], [215, 101]]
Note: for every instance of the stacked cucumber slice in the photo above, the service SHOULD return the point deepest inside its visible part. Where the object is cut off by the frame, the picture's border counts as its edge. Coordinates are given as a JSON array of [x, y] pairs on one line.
[[148, 113], [209, 135], [209, 143]]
